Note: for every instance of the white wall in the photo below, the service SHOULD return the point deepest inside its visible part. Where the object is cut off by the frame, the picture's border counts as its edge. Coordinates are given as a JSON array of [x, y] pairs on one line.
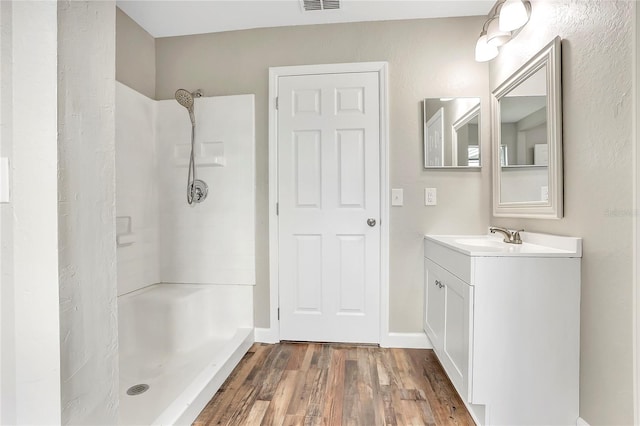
[[29, 327], [137, 189], [212, 242], [86, 194], [597, 71]]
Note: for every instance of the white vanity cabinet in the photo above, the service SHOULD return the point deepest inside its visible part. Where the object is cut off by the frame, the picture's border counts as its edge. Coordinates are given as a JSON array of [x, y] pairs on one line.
[[504, 323]]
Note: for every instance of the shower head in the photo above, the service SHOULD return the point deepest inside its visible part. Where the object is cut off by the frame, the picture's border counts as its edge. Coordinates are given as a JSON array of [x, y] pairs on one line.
[[185, 99]]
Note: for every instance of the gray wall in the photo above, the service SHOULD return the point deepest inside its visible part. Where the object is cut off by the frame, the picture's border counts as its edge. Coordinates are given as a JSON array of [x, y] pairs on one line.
[[427, 59], [136, 64], [597, 88]]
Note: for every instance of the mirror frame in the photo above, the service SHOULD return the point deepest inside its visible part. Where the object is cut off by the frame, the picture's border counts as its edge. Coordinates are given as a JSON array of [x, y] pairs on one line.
[[468, 116], [549, 56]]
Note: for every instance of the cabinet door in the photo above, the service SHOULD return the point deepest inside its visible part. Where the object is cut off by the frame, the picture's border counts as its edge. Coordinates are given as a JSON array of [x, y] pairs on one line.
[[434, 306], [456, 356]]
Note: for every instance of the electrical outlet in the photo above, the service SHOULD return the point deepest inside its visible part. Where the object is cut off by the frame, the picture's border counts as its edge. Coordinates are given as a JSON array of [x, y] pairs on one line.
[[430, 197], [397, 197]]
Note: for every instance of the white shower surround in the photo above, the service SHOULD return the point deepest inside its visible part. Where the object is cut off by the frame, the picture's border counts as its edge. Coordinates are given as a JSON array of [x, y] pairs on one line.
[[208, 243], [212, 242], [183, 338]]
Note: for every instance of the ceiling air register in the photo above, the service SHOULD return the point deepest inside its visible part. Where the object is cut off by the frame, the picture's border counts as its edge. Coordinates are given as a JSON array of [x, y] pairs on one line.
[[309, 5]]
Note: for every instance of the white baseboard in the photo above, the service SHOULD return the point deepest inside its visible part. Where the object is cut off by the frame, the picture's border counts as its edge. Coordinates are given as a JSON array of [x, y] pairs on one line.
[[406, 340], [392, 340], [581, 422], [266, 335]]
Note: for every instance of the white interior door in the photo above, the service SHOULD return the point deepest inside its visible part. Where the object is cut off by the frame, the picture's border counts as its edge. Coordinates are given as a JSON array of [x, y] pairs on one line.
[[329, 207], [434, 151]]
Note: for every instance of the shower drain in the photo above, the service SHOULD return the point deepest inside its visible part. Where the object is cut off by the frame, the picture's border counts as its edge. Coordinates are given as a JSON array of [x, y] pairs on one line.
[[137, 389]]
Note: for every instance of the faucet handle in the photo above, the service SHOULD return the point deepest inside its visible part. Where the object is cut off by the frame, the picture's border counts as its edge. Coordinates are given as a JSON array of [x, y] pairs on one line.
[[515, 236]]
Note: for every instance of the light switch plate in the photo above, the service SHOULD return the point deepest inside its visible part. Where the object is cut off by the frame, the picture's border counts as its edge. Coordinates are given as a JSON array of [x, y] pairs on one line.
[[430, 197], [397, 197]]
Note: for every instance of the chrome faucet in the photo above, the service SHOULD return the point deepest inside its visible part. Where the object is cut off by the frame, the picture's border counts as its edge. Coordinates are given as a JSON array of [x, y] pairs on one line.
[[511, 237]]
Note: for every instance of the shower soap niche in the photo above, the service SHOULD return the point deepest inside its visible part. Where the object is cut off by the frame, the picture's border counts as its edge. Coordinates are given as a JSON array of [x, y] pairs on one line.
[[124, 236], [207, 154]]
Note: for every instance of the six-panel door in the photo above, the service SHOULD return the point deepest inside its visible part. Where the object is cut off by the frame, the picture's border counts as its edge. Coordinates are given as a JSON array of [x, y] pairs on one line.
[[329, 207]]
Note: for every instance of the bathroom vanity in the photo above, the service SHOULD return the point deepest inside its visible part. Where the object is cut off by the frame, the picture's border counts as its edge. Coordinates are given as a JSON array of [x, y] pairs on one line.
[[504, 321]]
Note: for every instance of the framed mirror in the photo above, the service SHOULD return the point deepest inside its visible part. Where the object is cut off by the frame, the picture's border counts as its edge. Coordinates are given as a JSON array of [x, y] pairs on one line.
[[526, 130], [451, 133]]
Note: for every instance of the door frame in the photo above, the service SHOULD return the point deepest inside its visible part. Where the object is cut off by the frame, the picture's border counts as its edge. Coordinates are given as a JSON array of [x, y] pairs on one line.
[[636, 205], [272, 334]]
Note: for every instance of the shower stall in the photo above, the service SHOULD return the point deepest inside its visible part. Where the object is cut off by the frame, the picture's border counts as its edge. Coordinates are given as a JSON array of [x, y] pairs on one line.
[[186, 267]]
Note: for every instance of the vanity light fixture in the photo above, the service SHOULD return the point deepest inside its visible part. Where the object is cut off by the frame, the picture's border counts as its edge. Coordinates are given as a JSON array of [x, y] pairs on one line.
[[514, 14], [495, 36], [504, 21], [484, 51]]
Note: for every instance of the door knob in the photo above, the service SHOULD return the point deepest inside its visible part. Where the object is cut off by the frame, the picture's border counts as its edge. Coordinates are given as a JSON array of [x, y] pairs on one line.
[[371, 222]]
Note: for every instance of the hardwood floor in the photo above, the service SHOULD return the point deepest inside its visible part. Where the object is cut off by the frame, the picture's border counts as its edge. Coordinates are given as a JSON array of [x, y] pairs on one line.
[[332, 385]]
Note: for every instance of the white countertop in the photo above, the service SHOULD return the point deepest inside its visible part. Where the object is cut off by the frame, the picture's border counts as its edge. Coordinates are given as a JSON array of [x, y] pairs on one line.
[[492, 245]]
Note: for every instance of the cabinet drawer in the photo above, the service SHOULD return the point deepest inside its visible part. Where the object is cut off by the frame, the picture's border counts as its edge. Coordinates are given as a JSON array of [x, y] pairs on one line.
[[456, 263]]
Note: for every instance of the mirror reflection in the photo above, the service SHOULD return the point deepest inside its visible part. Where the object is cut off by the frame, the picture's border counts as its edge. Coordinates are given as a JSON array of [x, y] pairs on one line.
[[526, 132], [451, 132], [524, 154]]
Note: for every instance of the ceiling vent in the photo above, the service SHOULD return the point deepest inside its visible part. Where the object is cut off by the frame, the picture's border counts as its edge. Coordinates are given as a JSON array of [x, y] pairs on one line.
[[320, 4]]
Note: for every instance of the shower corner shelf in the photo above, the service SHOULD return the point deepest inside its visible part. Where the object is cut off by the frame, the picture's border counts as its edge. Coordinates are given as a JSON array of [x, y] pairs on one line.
[[211, 161], [124, 240], [124, 236], [203, 161]]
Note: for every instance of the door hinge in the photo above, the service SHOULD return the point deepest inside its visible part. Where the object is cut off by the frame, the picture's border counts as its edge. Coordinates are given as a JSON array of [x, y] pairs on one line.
[[278, 314], [277, 103], [277, 209]]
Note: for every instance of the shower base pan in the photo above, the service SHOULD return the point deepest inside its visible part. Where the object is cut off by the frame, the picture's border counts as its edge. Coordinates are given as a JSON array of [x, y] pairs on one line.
[[173, 359]]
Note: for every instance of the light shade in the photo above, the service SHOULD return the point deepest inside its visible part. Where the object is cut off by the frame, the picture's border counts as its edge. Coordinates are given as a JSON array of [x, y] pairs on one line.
[[484, 51], [514, 14], [495, 36]]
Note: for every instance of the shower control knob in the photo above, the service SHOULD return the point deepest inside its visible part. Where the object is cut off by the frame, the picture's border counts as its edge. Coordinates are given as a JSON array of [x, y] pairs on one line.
[[371, 222], [199, 189]]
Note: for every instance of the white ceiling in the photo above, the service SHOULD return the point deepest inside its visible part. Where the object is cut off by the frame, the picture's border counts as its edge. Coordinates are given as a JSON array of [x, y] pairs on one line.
[[167, 18]]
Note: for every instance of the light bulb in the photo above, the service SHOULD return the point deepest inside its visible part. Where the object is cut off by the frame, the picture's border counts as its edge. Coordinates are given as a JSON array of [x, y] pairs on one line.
[[484, 51], [514, 14], [495, 36]]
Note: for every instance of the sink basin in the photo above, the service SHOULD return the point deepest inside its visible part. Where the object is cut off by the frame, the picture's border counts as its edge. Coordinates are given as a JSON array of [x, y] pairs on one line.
[[486, 242], [534, 245]]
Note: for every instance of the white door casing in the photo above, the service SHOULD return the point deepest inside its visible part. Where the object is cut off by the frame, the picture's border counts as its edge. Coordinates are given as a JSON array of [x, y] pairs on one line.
[[329, 188]]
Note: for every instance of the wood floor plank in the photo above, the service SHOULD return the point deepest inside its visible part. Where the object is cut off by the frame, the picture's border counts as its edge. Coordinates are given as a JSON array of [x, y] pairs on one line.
[[299, 405], [365, 387], [298, 384], [446, 404], [274, 372], [351, 408], [222, 403], [308, 356], [376, 391], [318, 392], [335, 399], [297, 356], [257, 413], [281, 398]]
